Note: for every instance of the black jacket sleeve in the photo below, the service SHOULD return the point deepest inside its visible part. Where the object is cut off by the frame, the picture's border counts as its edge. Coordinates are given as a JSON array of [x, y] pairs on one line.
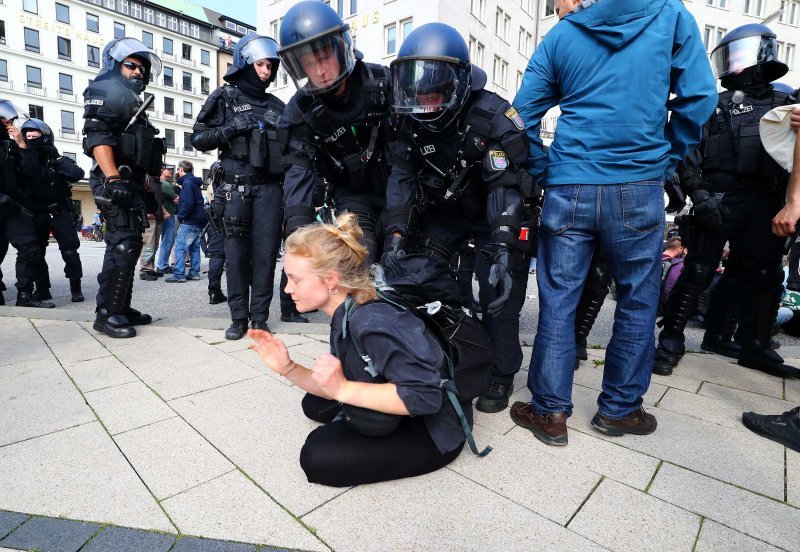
[[212, 116], [298, 182]]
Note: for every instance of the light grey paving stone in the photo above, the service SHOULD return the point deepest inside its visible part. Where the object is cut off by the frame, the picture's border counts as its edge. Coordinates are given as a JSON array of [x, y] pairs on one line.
[[37, 397], [77, 473], [54, 332], [603, 457], [724, 371], [749, 513], [51, 535], [548, 485], [621, 518], [714, 537], [194, 544], [685, 441], [793, 389], [20, 342], [99, 373], [311, 348], [122, 539], [459, 515], [677, 380], [212, 337], [171, 457], [232, 346], [128, 406], [43, 323], [81, 347], [232, 507], [592, 377], [252, 359], [259, 425], [736, 402], [322, 336], [793, 477], [182, 365], [10, 521]]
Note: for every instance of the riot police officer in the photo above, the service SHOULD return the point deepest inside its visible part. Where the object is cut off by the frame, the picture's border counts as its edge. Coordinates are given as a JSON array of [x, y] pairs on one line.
[[337, 121], [52, 207], [18, 165], [215, 240], [736, 188], [457, 173], [124, 146], [240, 118]]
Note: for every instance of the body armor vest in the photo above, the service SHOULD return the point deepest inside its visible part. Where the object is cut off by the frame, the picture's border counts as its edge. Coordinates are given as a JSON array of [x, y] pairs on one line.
[[733, 157]]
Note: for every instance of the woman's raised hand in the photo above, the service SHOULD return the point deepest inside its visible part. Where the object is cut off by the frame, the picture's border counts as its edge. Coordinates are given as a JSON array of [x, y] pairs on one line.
[[271, 350]]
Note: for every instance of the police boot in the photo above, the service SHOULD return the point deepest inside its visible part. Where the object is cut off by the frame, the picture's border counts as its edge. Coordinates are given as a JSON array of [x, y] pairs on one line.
[[113, 325], [759, 356], [721, 344], [26, 299], [591, 301], [75, 290], [2, 299], [136, 318], [756, 352], [722, 321], [237, 330], [42, 294], [293, 316], [215, 296], [668, 354], [580, 351]]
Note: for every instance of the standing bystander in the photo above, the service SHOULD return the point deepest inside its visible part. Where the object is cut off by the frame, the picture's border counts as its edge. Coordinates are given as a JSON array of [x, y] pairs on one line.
[[193, 220]]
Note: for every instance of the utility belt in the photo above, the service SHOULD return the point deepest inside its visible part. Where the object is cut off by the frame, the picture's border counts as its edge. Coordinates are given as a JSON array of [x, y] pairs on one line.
[[260, 148], [119, 218], [249, 179]]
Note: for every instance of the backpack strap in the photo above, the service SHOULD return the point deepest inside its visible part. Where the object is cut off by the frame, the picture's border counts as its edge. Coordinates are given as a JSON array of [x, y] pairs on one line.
[[349, 307], [449, 387]]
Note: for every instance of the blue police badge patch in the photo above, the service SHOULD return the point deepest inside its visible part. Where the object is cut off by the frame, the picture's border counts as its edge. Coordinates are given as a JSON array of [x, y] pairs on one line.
[[514, 117], [498, 160]]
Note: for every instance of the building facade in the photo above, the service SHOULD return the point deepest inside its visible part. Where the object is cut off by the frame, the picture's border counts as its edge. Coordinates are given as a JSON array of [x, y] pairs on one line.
[[50, 51]]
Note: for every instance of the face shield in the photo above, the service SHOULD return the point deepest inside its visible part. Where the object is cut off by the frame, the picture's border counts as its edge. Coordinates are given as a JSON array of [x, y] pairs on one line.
[[259, 48], [734, 57], [10, 111], [320, 64], [428, 88], [131, 47]]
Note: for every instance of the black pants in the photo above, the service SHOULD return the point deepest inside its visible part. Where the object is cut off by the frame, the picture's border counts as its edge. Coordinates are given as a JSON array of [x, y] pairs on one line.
[[793, 282], [216, 258], [370, 210], [287, 304], [503, 328], [337, 456], [250, 260], [19, 231], [63, 228], [124, 242]]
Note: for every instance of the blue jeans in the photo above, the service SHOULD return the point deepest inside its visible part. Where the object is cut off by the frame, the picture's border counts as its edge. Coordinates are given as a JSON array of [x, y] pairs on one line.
[[626, 221], [188, 239], [167, 241]]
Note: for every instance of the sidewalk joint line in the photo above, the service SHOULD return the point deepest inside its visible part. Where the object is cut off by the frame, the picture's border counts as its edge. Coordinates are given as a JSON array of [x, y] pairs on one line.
[[650, 483], [585, 500], [699, 529]]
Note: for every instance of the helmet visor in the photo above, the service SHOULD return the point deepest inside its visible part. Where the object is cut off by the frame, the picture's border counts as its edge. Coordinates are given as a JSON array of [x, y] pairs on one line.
[[734, 57], [10, 111], [320, 64], [131, 47], [427, 86], [259, 48]]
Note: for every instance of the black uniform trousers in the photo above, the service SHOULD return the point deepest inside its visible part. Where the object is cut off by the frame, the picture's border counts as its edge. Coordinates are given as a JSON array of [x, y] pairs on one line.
[[503, 328], [3, 251], [216, 257], [62, 226], [251, 260], [19, 231], [370, 209]]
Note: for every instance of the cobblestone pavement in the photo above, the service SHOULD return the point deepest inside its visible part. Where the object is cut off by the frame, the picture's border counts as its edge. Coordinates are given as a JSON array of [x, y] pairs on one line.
[[179, 434]]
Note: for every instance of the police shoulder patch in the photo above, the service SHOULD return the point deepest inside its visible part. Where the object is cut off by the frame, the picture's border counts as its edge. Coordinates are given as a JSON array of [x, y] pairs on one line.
[[515, 118], [498, 160]]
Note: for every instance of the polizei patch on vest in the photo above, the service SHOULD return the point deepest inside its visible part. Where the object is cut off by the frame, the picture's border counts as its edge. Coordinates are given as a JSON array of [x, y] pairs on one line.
[[498, 159], [514, 117]]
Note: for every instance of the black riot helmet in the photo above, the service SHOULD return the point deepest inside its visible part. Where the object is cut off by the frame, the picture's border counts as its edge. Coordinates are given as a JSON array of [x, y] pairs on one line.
[[46, 138], [432, 76], [115, 52], [750, 46], [316, 47], [251, 48]]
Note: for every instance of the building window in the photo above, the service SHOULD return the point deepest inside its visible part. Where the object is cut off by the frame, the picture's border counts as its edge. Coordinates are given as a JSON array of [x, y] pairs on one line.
[[478, 9], [65, 83], [93, 56], [62, 13], [501, 23], [789, 13], [525, 42], [136, 10], [275, 26], [475, 51], [34, 76], [124, 7], [64, 49], [147, 39], [31, 40], [172, 23], [161, 19], [187, 81], [70, 155], [186, 50], [3, 70], [786, 53], [149, 15], [753, 7], [68, 122], [549, 8], [187, 110], [146, 98], [518, 83], [187, 141], [119, 30], [205, 85], [184, 27], [230, 25], [167, 45], [195, 30], [205, 57], [169, 138], [499, 71], [712, 36], [2, 32], [31, 6], [169, 106], [391, 39], [92, 23], [36, 111], [168, 77], [353, 7], [406, 26]]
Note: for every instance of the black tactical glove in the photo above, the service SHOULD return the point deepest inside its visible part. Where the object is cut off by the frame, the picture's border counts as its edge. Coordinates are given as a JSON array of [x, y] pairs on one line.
[[240, 124], [293, 223], [677, 199], [393, 246], [118, 190], [499, 275], [8, 206], [706, 209]]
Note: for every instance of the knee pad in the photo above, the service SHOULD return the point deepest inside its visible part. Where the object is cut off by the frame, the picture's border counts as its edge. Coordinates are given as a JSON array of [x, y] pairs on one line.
[[70, 256], [699, 274], [127, 254], [599, 277], [29, 254]]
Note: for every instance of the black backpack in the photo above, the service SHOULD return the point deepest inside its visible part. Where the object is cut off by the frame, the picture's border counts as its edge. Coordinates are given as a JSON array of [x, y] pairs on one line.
[[466, 348]]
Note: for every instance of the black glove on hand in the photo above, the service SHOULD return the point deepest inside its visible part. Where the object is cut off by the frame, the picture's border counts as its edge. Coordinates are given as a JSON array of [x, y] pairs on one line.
[[8, 206], [677, 199], [499, 276], [119, 191], [393, 246], [706, 209], [240, 124]]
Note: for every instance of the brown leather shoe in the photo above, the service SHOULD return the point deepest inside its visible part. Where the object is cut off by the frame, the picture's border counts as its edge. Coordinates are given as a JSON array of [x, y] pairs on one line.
[[550, 429], [636, 423]]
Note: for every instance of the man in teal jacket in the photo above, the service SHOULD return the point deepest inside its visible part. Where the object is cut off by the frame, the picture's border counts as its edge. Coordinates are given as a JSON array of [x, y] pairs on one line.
[[634, 86]]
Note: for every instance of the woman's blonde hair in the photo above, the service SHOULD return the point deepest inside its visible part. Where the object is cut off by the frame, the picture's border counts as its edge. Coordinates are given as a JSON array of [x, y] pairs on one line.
[[336, 247]]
